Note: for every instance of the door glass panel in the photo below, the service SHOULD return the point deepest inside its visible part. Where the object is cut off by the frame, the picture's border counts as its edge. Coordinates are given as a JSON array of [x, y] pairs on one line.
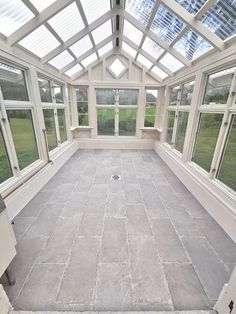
[[22, 129], [174, 95], [50, 128], [181, 130], [127, 122], [208, 131], [186, 96], [5, 168], [128, 97], [62, 124], [227, 172], [105, 96], [171, 121], [58, 93], [45, 90], [106, 121]]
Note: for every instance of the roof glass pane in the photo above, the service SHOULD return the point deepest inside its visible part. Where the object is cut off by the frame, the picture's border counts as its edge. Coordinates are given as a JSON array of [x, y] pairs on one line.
[[94, 9], [68, 22], [152, 48], [166, 24], [127, 48], [81, 46], [192, 45], [13, 14], [159, 72], [40, 41], [61, 60], [171, 62], [221, 18], [42, 4], [192, 6], [141, 10], [132, 32], [73, 70], [105, 49], [102, 32], [144, 61], [90, 59]]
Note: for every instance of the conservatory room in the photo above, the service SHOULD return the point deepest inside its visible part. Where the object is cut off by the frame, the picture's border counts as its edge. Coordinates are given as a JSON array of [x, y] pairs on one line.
[[117, 156]]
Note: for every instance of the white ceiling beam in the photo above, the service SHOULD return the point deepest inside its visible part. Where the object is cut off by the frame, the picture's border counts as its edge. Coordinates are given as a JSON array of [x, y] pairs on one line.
[[37, 21], [204, 8], [192, 22], [79, 35], [155, 38], [30, 6]]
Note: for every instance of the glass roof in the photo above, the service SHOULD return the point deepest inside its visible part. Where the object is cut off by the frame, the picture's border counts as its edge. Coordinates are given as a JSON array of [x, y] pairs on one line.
[[102, 32], [127, 48], [73, 70], [90, 59], [81, 46], [144, 61], [102, 51], [135, 8], [131, 32], [61, 60], [159, 72], [152, 48], [95, 9], [192, 6], [171, 62], [42, 4]]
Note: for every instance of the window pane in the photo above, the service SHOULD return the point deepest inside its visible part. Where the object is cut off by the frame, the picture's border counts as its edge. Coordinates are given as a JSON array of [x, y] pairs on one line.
[[83, 120], [45, 90], [106, 121], [186, 96], [218, 87], [22, 129], [82, 112], [174, 95], [128, 97], [58, 94], [181, 130], [105, 96], [5, 168], [171, 121], [12, 82], [50, 128], [62, 124], [150, 113], [82, 94], [151, 95], [127, 122], [227, 172], [208, 131]]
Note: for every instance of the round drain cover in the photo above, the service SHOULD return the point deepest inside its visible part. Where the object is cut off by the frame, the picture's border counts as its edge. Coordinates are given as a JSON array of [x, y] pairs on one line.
[[115, 177]]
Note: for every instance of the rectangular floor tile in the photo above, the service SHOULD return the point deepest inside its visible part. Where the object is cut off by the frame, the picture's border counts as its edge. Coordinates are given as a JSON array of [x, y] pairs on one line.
[[92, 220], [137, 221], [132, 193]]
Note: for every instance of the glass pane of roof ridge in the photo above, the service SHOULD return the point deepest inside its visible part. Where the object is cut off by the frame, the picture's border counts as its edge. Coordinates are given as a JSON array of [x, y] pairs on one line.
[[40, 41], [192, 45], [42, 4], [76, 68], [192, 6], [144, 61], [221, 18], [93, 9], [102, 51], [102, 32], [131, 32], [140, 9], [171, 62], [61, 60], [127, 48], [166, 24], [90, 59], [81, 46], [159, 72], [68, 22], [13, 14], [152, 48]]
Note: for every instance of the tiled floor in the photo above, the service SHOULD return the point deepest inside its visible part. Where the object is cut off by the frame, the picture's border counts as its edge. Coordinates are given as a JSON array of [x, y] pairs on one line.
[[86, 242]]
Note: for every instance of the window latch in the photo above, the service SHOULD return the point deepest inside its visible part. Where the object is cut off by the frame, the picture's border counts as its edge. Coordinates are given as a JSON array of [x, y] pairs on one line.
[[4, 120]]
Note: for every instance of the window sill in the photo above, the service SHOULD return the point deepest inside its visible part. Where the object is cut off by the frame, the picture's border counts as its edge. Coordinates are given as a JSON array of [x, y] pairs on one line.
[[151, 129], [80, 127]]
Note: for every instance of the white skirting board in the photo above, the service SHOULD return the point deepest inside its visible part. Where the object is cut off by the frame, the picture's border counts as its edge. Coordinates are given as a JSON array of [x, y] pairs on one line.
[[115, 143], [16, 201], [213, 199]]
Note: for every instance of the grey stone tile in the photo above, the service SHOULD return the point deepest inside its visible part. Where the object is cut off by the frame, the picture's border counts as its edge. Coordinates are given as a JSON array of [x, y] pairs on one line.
[[83, 184], [137, 222], [35, 206], [113, 292], [168, 243], [150, 290], [76, 205], [133, 195], [92, 221], [98, 192], [218, 238], [21, 225], [80, 277], [211, 271], [185, 288], [116, 205], [40, 290], [194, 208], [114, 241], [154, 206], [59, 245]]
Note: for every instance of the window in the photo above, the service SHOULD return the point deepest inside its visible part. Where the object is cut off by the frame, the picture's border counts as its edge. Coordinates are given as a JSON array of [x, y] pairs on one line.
[[105, 96], [227, 170], [5, 167], [207, 135], [150, 108], [181, 130], [174, 95], [82, 105], [186, 95], [58, 92], [127, 122], [106, 121], [170, 126], [50, 128], [45, 90], [128, 97], [62, 125]]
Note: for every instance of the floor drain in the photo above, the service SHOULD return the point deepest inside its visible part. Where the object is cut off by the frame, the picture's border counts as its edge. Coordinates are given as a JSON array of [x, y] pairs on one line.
[[115, 177]]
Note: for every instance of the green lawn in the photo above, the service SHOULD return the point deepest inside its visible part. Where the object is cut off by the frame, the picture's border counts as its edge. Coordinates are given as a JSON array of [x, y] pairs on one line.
[[150, 113]]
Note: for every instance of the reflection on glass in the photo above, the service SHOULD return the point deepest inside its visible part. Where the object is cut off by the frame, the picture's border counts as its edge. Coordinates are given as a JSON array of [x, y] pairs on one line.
[[127, 122], [105, 96], [62, 124], [22, 130], [181, 130], [150, 113], [5, 168], [128, 97], [227, 172], [218, 87], [45, 90], [82, 105], [50, 128], [151, 95], [186, 95], [171, 121], [12, 82], [174, 95], [58, 93], [106, 121], [208, 131], [82, 94]]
